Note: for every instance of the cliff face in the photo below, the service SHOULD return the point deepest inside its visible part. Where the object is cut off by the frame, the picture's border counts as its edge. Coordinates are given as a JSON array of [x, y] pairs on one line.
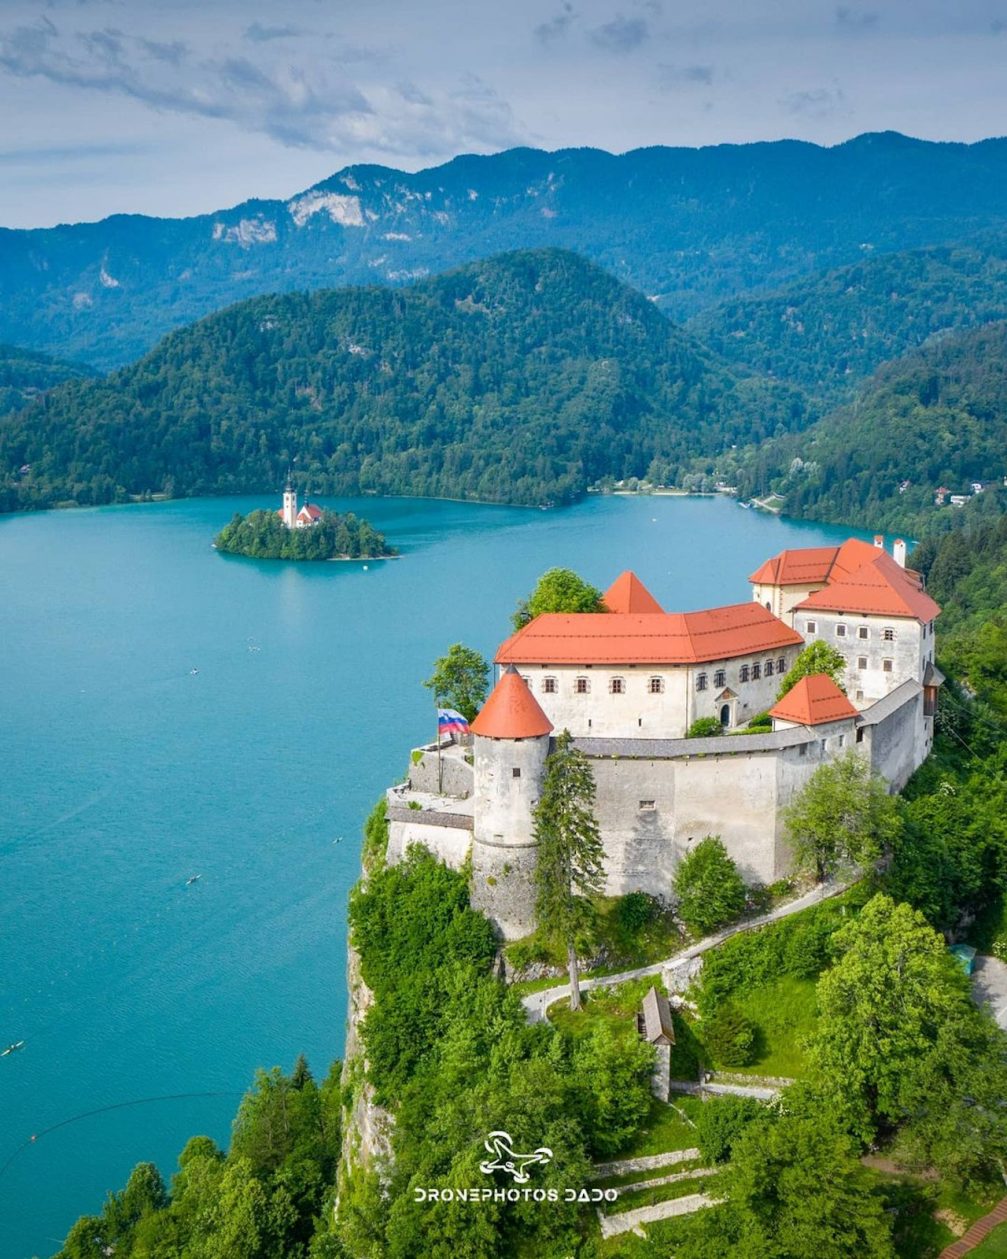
[[367, 1127]]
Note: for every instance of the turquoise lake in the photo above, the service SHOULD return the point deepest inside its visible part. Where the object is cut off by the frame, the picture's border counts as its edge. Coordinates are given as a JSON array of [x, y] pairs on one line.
[[124, 773]]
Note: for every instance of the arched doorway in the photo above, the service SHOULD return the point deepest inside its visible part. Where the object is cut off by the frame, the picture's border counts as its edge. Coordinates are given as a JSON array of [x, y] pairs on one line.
[[725, 715]]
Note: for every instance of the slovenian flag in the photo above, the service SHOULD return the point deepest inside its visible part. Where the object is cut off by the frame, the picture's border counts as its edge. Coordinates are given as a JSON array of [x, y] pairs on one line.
[[450, 722]]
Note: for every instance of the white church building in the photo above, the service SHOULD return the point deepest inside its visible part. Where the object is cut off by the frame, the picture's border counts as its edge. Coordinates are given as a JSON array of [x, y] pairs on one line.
[[628, 683]]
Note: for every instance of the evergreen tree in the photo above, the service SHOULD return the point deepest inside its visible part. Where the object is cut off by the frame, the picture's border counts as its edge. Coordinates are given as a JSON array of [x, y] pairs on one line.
[[570, 851]]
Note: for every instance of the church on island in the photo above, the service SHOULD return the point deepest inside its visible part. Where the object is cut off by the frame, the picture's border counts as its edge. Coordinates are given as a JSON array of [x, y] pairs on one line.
[[308, 515], [628, 684]]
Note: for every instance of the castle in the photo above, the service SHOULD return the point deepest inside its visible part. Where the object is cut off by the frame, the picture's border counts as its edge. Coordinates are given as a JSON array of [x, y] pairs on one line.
[[628, 683]]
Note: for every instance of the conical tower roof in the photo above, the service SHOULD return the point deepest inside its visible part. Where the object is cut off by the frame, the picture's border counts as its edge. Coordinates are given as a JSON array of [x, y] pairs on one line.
[[628, 594], [511, 712], [813, 701]]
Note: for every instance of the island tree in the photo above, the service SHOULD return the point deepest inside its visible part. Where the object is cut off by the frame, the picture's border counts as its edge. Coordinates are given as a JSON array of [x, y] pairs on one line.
[[558, 590], [844, 814], [817, 657], [570, 851], [460, 680]]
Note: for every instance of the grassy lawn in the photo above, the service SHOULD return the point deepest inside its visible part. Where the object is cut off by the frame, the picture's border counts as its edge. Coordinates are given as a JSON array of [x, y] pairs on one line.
[[665, 1130], [994, 1247], [784, 1015], [629, 1201]]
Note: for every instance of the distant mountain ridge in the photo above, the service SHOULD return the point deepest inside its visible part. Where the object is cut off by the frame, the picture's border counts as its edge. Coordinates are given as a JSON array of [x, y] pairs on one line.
[[686, 226], [522, 378]]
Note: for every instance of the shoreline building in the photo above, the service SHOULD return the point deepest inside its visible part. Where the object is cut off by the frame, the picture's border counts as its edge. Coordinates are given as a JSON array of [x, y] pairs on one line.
[[629, 683]]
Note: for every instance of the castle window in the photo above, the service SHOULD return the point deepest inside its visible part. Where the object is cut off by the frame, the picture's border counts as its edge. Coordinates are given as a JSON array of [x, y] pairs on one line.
[[888, 634], [860, 695], [781, 665], [700, 681], [842, 740], [617, 686], [549, 686], [840, 631], [803, 750], [811, 627], [863, 631], [720, 678], [582, 686], [656, 686], [648, 806], [743, 673], [888, 665], [756, 671], [526, 680], [861, 662], [860, 734], [769, 668], [515, 772]]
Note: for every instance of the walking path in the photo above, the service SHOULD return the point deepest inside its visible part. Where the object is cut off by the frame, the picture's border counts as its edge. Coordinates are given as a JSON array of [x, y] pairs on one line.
[[979, 1230], [646, 1163], [761, 1093], [536, 1003], [626, 1220]]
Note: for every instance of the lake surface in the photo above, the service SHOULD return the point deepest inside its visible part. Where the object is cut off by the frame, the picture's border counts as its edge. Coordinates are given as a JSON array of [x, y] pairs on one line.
[[123, 773]]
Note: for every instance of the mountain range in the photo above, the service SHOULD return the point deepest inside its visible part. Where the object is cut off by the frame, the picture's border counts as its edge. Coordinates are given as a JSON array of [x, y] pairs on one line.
[[687, 227]]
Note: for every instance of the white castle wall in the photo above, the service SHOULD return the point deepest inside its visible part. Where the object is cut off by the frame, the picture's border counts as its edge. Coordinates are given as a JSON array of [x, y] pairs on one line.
[[909, 651], [638, 712]]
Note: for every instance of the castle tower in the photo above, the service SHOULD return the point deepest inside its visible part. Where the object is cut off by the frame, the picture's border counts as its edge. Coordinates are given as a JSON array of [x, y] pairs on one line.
[[289, 512], [510, 747]]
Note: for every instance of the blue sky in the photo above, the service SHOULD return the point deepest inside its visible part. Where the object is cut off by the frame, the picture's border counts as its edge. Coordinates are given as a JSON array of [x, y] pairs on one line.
[[182, 106]]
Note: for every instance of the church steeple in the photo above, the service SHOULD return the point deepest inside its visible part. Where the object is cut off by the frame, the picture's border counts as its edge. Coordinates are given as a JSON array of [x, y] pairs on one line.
[[289, 512]]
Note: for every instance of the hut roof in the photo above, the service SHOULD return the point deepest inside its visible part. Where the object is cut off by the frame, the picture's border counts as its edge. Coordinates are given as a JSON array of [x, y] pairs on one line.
[[658, 1028]]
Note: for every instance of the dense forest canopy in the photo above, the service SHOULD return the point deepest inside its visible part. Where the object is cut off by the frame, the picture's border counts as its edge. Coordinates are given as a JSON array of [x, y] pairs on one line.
[[520, 379], [826, 332], [686, 226], [934, 419], [27, 374]]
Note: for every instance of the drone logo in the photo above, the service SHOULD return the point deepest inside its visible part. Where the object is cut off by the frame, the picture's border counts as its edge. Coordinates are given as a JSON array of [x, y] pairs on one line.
[[501, 1146]]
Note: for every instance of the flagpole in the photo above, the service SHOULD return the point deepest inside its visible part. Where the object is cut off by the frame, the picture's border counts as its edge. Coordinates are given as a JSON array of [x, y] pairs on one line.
[[440, 769]]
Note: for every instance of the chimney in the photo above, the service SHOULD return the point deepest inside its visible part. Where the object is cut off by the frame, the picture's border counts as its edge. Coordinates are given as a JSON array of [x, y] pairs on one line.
[[899, 551], [879, 541]]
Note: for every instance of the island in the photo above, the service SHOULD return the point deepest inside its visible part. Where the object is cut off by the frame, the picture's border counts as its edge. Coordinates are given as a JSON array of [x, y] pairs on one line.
[[310, 533]]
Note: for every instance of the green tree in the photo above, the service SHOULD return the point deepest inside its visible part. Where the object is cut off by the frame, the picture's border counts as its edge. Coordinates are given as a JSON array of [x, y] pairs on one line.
[[881, 1007], [614, 1073], [570, 851], [704, 728], [817, 657], [558, 590], [708, 888], [721, 1121], [460, 680], [843, 814], [792, 1190]]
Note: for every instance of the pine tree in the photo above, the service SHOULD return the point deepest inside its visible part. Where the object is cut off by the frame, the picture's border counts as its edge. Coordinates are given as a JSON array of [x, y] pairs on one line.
[[570, 851]]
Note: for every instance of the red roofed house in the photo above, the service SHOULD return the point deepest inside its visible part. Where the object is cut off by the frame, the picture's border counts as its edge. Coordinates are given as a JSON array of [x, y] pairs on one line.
[[639, 672]]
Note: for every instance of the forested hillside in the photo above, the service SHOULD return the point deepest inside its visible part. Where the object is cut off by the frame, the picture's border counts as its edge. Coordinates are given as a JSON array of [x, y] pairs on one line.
[[936, 419], [520, 379], [686, 226], [25, 374], [828, 331]]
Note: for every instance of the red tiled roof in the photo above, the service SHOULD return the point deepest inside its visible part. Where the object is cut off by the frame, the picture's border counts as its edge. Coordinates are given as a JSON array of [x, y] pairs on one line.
[[311, 511], [511, 712], [880, 588], [814, 565], [625, 638], [813, 701], [628, 594]]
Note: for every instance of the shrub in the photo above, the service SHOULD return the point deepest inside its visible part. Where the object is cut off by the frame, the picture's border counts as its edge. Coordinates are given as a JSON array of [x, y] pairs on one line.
[[760, 722], [708, 887], [635, 910], [704, 728], [721, 1121], [730, 1036]]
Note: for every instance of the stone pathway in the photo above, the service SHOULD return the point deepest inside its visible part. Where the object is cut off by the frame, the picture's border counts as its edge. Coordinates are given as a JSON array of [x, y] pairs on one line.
[[989, 987], [536, 1003], [761, 1093], [624, 1221], [696, 1173], [977, 1232], [645, 1163]]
